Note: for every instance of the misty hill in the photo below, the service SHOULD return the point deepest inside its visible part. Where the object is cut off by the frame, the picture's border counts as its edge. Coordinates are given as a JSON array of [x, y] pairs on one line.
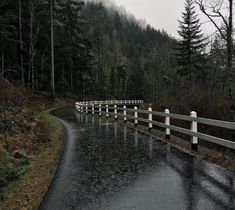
[[128, 54]]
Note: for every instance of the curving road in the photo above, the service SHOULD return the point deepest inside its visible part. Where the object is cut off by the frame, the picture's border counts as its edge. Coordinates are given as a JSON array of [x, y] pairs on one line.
[[111, 167]]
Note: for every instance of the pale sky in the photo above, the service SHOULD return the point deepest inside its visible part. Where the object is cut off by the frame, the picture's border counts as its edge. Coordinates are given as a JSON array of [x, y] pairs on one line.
[[161, 14]]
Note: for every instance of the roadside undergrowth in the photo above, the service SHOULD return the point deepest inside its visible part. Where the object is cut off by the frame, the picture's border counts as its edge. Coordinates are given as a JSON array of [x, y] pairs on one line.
[[27, 190]]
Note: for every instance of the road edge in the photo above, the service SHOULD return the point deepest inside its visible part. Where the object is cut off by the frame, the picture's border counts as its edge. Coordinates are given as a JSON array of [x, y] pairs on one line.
[[28, 191]]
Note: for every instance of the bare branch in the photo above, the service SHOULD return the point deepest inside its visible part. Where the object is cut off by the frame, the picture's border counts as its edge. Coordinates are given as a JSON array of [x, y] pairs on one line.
[[7, 71], [202, 8]]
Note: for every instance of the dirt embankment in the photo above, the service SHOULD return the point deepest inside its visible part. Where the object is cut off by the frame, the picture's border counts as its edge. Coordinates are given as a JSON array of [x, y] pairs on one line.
[[31, 142]]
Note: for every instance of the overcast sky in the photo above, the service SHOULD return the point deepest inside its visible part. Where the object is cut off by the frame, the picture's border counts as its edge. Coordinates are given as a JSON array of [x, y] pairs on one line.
[[161, 14]]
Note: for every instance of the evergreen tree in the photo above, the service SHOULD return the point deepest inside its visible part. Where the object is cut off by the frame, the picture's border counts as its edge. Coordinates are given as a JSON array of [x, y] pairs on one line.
[[99, 52], [71, 44], [7, 33], [191, 47]]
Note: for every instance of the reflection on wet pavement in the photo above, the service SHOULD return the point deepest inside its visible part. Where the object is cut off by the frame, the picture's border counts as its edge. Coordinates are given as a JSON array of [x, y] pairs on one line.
[[108, 166]]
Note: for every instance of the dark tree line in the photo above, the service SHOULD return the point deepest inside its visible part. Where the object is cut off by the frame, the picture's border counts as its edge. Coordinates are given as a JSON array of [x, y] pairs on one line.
[[130, 61], [26, 43], [101, 52], [98, 51]]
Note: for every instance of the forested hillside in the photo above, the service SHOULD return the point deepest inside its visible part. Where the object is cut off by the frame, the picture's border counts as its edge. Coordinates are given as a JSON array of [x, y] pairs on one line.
[[99, 52], [130, 60], [56, 52], [95, 50]]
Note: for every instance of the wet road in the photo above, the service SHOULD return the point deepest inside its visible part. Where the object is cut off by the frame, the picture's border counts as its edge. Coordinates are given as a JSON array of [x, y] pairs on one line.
[[108, 166]]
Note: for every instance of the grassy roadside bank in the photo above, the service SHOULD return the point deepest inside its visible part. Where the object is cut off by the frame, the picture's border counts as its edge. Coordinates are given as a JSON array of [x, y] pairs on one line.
[[27, 191]]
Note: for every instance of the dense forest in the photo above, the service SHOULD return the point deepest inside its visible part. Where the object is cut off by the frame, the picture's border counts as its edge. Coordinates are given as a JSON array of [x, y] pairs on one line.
[[95, 50], [53, 52]]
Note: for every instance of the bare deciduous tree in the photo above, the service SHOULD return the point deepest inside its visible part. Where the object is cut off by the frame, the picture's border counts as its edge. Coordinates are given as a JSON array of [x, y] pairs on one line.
[[4, 33], [34, 27], [21, 43], [214, 10], [52, 50]]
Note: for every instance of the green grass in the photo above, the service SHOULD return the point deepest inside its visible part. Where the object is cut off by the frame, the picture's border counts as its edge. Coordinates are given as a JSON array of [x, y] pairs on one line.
[[34, 183], [10, 170], [51, 122]]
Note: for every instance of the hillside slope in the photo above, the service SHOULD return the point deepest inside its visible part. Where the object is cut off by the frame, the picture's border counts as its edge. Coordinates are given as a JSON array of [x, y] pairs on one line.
[[30, 146], [129, 59]]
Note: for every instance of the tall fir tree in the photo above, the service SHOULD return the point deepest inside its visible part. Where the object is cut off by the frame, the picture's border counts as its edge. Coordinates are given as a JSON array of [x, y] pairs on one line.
[[72, 43], [190, 49]]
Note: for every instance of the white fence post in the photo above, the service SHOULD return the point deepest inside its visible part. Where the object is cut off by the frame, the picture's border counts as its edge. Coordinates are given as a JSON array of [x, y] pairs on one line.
[[124, 113], [81, 108], [93, 109], [76, 106], [86, 108], [136, 115], [115, 112], [194, 139], [167, 122], [107, 110], [100, 110], [150, 118]]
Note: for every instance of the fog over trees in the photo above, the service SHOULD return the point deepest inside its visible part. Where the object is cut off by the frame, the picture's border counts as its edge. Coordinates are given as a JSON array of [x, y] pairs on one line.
[[96, 50]]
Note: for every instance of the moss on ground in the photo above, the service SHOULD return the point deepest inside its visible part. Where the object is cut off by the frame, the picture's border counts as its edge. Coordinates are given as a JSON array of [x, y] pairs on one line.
[[27, 191], [10, 169]]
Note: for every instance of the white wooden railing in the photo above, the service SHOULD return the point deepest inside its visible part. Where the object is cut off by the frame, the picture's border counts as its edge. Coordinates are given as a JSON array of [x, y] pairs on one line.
[[113, 102], [132, 114]]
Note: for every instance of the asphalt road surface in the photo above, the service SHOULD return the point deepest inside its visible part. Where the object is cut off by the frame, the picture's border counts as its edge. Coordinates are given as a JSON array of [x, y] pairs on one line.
[[108, 166]]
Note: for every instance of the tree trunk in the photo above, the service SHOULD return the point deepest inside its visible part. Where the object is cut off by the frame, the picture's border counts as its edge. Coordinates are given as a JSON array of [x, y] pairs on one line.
[[33, 75], [230, 53], [41, 69], [21, 43], [52, 51], [63, 78], [3, 64], [36, 79], [125, 87], [30, 74], [5, 126], [68, 79], [71, 80]]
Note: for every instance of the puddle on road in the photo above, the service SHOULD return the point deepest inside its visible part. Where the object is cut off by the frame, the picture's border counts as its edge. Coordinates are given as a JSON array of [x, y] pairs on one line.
[[102, 124]]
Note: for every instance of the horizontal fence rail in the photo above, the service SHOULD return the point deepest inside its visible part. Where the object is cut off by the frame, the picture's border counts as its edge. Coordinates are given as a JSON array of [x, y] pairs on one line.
[[112, 102], [104, 108]]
